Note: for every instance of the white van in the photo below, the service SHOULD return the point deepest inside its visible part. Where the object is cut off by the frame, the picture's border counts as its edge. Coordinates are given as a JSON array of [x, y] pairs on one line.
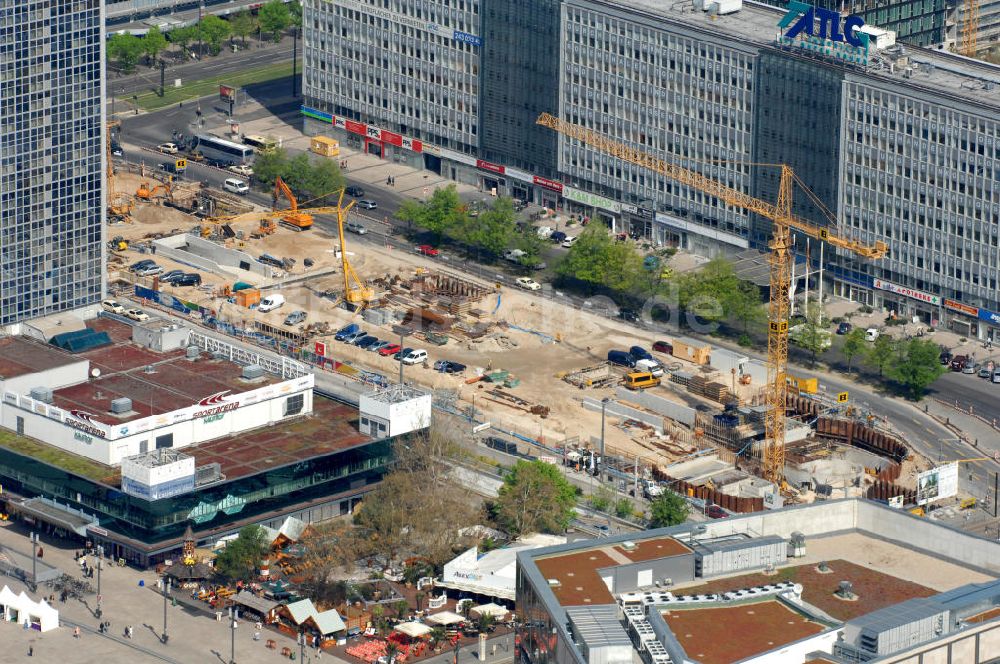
[[871, 334], [237, 186], [416, 356], [652, 366], [271, 302]]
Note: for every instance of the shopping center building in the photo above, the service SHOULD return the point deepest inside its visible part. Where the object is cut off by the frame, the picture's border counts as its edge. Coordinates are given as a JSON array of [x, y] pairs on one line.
[[126, 435], [900, 143]]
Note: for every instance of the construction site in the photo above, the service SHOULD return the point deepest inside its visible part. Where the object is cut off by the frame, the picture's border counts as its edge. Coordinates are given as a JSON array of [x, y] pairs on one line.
[[536, 368]]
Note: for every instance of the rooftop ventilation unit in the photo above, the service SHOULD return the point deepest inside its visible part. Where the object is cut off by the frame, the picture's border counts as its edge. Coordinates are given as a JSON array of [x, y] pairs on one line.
[[149, 368], [253, 372], [43, 394], [193, 352], [555, 583], [628, 546], [122, 405]]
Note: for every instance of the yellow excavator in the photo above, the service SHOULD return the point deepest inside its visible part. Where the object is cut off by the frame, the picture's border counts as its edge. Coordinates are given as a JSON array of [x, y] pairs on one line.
[[293, 217], [146, 193], [119, 204]]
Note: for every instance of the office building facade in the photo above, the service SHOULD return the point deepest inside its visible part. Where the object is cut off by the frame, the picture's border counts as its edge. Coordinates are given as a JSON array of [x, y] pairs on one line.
[[895, 143], [51, 157]]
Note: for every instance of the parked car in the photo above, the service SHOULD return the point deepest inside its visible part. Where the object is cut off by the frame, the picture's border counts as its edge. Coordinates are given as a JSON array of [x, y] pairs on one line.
[[996, 375], [150, 270], [447, 366], [236, 186], [137, 314], [639, 353], [640, 380], [116, 149], [242, 169], [401, 353], [986, 370], [628, 315], [651, 366], [391, 349], [844, 328], [664, 347], [271, 302], [415, 356], [871, 334], [355, 191], [135, 267], [945, 357], [716, 512], [365, 341], [295, 317], [958, 362], [970, 367], [354, 336], [527, 283], [621, 358], [378, 346], [167, 277], [427, 250], [557, 237], [355, 227], [544, 231], [367, 204], [113, 306], [187, 279], [168, 148], [570, 241], [344, 331]]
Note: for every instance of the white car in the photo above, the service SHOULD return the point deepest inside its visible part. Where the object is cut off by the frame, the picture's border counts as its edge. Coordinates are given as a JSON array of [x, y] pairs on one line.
[[113, 307], [544, 231], [570, 241], [355, 227], [527, 283], [168, 148], [137, 314], [242, 169], [871, 334]]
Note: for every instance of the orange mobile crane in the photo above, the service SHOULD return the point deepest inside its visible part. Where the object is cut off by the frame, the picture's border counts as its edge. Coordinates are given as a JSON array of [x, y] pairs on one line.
[[780, 214], [293, 217]]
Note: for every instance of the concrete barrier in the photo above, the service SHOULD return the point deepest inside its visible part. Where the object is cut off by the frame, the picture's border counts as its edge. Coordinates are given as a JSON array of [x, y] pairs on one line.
[[675, 411]]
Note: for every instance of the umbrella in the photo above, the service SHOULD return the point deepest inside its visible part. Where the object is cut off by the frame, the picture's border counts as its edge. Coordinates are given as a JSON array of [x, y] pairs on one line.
[[491, 609]]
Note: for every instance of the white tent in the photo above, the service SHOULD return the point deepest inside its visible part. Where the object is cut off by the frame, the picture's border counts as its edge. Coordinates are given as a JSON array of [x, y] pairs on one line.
[[414, 630], [491, 609], [445, 618], [21, 608]]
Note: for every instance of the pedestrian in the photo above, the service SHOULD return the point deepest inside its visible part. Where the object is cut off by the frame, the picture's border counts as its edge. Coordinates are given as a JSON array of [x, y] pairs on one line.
[[31, 651], [76, 631]]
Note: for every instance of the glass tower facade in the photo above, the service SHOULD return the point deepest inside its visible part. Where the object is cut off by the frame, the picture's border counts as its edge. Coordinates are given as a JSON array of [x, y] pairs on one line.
[[51, 157]]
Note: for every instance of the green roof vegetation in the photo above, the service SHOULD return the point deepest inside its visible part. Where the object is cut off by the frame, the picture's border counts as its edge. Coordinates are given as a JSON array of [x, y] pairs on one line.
[[71, 463]]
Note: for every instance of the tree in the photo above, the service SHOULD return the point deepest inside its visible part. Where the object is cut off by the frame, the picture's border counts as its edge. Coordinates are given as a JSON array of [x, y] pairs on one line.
[[126, 49], [402, 608], [153, 43], [378, 616], [535, 497], [602, 499], [623, 508], [485, 622], [440, 214], [705, 293], [598, 260], [243, 24], [184, 36], [391, 651], [241, 558], [324, 182], [811, 334], [744, 305], [295, 11], [854, 345], [668, 509], [532, 246], [274, 18], [269, 165], [917, 366], [213, 30], [881, 354], [492, 230], [419, 598]]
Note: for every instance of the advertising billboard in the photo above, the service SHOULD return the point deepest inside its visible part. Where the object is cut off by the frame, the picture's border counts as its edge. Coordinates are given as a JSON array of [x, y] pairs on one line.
[[937, 483]]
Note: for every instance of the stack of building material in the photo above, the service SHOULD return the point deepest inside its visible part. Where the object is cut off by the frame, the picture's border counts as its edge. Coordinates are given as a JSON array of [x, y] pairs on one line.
[[716, 391], [697, 385], [681, 377]]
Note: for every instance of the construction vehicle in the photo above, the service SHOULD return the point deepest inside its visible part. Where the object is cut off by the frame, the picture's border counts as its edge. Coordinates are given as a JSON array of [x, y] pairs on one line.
[[783, 220], [118, 243], [146, 193], [293, 217], [119, 204], [355, 291]]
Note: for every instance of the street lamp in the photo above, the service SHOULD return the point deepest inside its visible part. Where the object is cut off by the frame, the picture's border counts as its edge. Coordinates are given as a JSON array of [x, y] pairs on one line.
[[98, 612], [456, 653], [166, 593], [34, 560], [233, 615], [604, 407]]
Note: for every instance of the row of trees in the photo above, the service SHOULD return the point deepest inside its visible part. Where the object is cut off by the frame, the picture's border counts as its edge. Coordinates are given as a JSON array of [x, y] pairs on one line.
[[912, 363], [490, 231], [272, 19], [314, 181]]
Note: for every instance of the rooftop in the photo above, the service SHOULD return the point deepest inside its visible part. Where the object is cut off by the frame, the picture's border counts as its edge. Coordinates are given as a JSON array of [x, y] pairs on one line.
[[707, 634], [20, 356], [170, 383], [652, 549], [579, 583], [757, 24]]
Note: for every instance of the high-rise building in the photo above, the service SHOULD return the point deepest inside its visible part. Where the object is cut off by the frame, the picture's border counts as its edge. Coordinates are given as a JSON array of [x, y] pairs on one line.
[[51, 157]]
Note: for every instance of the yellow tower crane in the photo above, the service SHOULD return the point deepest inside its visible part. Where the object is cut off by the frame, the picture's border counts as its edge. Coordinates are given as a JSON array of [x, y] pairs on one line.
[[780, 214], [970, 28], [355, 291]]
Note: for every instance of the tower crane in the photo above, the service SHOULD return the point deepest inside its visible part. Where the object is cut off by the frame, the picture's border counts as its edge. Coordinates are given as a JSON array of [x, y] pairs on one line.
[[119, 205], [783, 220], [970, 28]]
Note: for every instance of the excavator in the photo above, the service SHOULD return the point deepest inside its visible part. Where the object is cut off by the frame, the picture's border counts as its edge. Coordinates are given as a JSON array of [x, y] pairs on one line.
[[293, 217], [145, 193]]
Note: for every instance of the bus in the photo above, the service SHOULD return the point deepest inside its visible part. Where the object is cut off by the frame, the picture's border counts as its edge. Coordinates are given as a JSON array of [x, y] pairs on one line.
[[217, 149], [260, 143]]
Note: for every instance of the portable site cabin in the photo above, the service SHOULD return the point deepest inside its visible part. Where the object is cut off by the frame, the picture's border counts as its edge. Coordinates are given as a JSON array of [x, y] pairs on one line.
[[325, 146], [692, 350]]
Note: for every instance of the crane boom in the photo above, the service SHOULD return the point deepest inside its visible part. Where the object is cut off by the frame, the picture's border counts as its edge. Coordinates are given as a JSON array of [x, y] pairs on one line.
[[780, 213]]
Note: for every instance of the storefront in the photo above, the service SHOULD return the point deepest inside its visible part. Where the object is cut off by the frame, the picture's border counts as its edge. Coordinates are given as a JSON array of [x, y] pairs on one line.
[[973, 322], [637, 221], [908, 302], [591, 206], [550, 192], [369, 139], [491, 178]]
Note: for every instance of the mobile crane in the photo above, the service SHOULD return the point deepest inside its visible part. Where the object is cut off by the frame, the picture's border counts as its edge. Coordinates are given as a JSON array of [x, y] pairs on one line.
[[783, 220]]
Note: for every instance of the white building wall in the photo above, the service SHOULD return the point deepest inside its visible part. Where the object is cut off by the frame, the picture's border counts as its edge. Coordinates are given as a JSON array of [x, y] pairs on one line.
[[54, 379], [795, 653]]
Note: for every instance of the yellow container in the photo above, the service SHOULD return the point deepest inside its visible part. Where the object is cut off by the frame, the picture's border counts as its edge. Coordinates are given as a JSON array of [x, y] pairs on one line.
[[325, 146]]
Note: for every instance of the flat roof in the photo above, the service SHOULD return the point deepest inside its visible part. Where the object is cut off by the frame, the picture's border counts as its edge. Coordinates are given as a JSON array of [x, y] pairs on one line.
[[756, 25], [579, 582], [653, 549], [174, 382], [707, 634], [20, 356]]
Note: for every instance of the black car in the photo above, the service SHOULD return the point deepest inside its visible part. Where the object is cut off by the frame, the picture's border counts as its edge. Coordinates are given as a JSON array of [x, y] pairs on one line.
[[447, 366], [116, 149], [365, 341], [945, 357], [168, 277], [628, 315], [844, 328], [357, 192], [138, 265], [557, 236], [189, 279]]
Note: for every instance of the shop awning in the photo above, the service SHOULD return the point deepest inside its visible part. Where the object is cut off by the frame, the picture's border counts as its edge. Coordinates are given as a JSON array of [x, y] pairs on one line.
[[491, 609], [56, 515]]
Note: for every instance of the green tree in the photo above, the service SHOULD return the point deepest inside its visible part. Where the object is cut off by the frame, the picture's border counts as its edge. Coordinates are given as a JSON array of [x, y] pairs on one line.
[[744, 305], [126, 49], [295, 11], [602, 499], [269, 165], [917, 366], [274, 18], [325, 182], [243, 24], [153, 44], [706, 292], [532, 246], [241, 558], [811, 334], [535, 497], [492, 230], [854, 346], [213, 30], [623, 508], [881, 354], [440, 214], [297, 174], [668, 509], [184, 36], [598, 260], [485, 623]]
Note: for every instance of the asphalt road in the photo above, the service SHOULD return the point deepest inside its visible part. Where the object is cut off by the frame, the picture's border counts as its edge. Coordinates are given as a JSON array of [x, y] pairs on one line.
[[923, 433]]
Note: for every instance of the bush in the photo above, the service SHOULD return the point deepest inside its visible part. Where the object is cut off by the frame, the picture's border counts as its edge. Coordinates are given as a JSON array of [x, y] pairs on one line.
[[891, 322], [865, 309], [745, 340]]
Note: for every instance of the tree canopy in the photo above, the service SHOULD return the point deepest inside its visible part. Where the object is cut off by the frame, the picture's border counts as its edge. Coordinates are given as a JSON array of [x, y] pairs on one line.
[[668, 509], [243, 24], [183, 36], [442, 213], [275, 18], [314, 181], [241, 558], [917, 365], [153, 43], [535, 497], [126, 49], [881, 354], [214, 30], [598, 260], [854, 346]]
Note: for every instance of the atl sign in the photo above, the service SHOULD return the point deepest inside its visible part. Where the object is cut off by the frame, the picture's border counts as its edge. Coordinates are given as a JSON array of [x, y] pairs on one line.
[[817, 29]]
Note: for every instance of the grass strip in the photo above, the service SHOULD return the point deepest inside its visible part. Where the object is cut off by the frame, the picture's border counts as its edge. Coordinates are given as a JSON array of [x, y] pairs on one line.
[[150, 101]]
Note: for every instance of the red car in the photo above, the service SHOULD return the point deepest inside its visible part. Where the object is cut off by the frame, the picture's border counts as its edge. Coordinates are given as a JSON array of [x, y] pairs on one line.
[[427, 250], [391, 349], [716, 512], [664, 347]]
